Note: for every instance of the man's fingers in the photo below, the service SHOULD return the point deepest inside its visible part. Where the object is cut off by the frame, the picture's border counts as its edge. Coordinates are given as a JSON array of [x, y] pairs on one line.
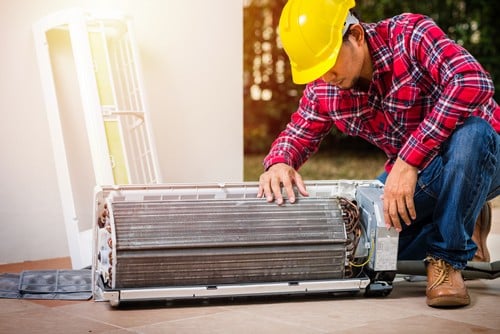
[[300, 185], [276, 191], [406, 209], [387, 220], [391, 215], [280, 179], [399, 210], [387, 216], [398, 194], [394, 215], [265, 188], [410, 205], [288, 186], [260, 192], [403, 211]]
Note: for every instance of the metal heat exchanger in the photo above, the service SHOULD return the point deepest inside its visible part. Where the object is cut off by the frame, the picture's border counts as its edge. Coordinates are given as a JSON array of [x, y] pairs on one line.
[[178, 241]]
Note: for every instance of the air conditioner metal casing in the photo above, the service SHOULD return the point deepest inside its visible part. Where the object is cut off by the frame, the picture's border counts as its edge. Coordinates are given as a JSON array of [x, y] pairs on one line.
[[184, 241]]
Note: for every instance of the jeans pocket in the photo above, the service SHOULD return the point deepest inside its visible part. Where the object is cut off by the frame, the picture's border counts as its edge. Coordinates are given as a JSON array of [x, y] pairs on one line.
[[429, 179]]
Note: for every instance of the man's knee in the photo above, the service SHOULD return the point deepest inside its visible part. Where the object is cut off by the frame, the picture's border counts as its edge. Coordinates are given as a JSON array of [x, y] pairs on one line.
[[475, 138]]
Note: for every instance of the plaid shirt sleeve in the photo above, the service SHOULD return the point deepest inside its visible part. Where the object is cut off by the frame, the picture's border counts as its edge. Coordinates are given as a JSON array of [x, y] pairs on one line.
[[466, 89], [303, 134]]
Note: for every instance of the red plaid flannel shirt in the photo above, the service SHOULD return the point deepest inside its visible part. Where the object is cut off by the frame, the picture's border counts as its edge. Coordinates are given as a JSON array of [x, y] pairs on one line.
[[423, 86]]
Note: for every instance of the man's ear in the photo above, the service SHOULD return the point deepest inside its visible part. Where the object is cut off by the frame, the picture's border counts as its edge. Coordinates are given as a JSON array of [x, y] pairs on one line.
[[357, 31]]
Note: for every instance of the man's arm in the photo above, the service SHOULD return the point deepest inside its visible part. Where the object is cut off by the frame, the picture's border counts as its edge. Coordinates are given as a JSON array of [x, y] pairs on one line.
[[301, 138], [466, 90]]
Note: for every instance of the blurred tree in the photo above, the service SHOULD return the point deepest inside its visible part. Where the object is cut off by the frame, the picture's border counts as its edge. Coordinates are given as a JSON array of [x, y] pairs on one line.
[[269, 93]]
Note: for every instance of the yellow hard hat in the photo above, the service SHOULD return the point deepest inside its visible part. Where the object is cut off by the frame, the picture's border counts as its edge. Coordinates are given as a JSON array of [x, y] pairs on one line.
[[311, 33]]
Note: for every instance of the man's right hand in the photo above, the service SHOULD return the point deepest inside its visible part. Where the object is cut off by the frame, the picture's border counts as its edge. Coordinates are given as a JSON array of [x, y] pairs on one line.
[[277, 176]]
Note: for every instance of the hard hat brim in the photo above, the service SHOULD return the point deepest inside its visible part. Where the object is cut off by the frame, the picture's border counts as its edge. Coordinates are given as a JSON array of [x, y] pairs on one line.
[[306, 76]]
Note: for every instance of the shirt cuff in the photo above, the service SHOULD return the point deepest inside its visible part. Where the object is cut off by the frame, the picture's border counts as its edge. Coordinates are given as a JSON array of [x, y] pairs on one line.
[[417, 153], [273, 160]]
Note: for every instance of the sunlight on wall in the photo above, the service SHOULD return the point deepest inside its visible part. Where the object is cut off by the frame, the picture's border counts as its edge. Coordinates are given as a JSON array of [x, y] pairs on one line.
[[190, 54]]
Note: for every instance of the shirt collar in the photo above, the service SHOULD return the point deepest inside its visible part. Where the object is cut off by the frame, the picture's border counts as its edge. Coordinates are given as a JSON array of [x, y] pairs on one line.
[[381, 54]]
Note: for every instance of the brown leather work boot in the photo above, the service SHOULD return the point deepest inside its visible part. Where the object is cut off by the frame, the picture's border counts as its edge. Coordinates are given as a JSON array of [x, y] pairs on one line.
[[481, 231], [445, 285]]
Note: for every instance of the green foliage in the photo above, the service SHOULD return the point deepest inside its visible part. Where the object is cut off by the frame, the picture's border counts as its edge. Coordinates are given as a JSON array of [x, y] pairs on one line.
[[266, 69], [469, 22]]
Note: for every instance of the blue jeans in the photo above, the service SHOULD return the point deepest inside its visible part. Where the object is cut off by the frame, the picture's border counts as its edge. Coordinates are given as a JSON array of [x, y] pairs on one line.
[[450, 193]]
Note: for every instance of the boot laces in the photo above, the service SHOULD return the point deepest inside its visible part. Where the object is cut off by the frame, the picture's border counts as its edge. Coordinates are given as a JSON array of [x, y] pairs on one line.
[[441, 272]]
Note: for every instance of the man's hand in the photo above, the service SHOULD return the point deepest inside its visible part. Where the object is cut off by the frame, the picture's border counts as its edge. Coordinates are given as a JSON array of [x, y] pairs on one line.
[[398, 195], [277, 176]]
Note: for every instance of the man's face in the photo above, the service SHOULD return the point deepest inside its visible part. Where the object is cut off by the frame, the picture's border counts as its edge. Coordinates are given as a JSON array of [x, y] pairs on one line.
[[345, 73]]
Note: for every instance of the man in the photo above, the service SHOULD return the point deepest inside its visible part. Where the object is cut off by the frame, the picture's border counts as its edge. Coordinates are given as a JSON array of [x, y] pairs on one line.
[[404, 86]]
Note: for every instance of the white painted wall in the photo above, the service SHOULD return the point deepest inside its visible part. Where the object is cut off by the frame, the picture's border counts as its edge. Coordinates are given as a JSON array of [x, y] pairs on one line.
[[191, 53]]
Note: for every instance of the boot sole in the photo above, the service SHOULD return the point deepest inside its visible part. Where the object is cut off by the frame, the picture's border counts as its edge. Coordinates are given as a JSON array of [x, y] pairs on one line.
[[448, 301]]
